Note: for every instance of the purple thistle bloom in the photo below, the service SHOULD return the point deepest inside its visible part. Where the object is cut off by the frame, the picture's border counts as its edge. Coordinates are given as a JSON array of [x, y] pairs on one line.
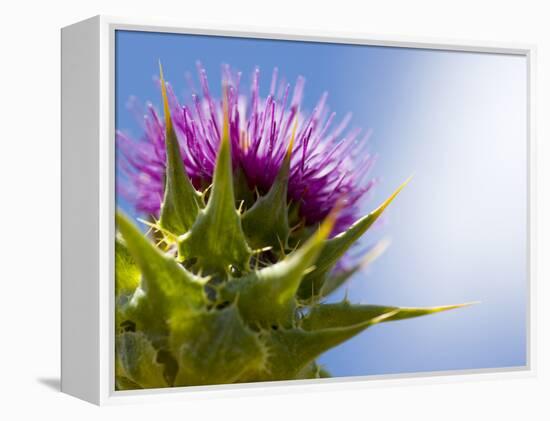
[[328, 162]]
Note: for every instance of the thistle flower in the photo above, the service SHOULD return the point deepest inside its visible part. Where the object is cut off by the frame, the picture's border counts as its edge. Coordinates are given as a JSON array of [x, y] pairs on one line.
[[232, 292], [328, 163]]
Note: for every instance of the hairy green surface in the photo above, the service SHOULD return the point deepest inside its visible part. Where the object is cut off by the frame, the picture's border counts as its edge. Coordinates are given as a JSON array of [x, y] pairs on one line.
[[231, 293]]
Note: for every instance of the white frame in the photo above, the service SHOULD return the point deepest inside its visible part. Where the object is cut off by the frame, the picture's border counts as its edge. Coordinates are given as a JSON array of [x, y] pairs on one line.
[[88, 357]]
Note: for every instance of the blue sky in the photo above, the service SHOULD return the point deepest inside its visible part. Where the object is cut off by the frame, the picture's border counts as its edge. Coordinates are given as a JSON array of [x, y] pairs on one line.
[[458, 122]]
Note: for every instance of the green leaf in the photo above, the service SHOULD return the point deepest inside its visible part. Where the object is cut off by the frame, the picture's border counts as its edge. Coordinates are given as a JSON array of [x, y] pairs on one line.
[[337, 246], [216, 239], [266, 297], [165, 284], [127, 275], [181, 202], [292, 350], [214, 347], [266, 222], [136, 362], [344, 314]]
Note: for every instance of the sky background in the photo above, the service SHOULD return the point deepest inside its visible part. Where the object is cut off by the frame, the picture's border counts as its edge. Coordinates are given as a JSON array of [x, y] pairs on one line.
[[458, 122]]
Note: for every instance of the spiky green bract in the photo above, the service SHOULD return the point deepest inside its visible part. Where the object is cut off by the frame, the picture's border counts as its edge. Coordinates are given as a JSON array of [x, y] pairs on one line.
[[215, 347], [164, 288], [337, 246], [294, 349], [267, 297], [181, 202], [216, 241], [163, 278], [266, 222], [202, 308], [346, 314]]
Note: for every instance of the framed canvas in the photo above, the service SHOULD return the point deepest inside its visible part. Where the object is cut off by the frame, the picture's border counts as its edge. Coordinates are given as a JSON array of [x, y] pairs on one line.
[[229, 196]]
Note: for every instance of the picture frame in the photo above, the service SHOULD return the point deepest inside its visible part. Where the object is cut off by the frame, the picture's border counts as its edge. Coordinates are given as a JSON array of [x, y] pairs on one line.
[[89, 207]]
